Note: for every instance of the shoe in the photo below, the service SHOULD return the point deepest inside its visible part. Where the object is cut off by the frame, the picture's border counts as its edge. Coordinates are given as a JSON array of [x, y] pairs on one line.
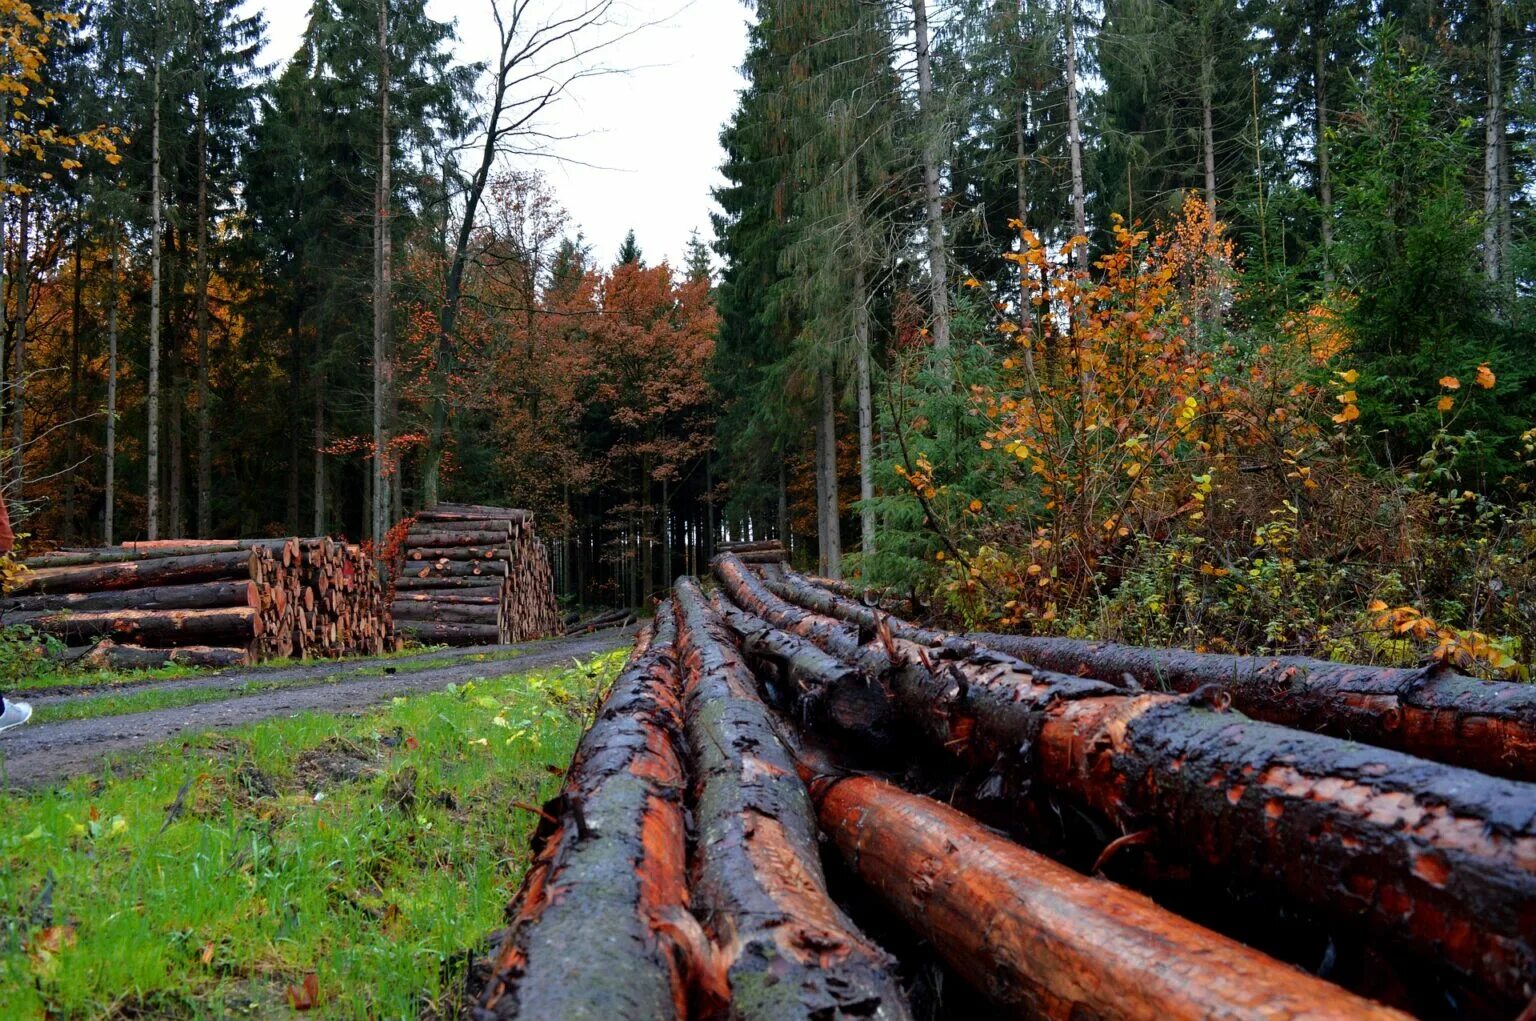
[[15, 714]]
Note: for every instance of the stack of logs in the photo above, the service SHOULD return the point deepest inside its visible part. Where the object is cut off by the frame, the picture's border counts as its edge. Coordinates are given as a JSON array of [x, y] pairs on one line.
[[474, 575], [205, 602], [1020, 829]]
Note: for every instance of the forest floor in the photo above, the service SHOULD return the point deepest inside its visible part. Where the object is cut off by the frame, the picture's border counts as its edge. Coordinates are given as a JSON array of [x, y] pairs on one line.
[[345, 838]]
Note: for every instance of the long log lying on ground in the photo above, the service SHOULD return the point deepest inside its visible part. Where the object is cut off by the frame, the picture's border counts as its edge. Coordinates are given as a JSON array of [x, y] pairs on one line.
[[589, 935], [442, 633], [502, 552], [471, 583], [1041, 939], [758, 879], [160, 628], [109, 655], [152, 551], [200, 596], [1483, 725], [406, 610], [1437, 860], [96, 577], [440, 536]]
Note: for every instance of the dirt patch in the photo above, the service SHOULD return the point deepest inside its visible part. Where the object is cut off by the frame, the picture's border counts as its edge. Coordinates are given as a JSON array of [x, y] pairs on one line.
[[333, 763], [33, 756]]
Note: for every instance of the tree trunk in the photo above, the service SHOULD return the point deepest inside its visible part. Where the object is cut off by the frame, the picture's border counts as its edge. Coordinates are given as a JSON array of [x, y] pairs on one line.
[[624, 877], [1075, 140], [76, 312], [1493, 143], [197, 596], [827, 481], [938, 265], [1044, 941], [758, 881], [204, 395], [866, 414], [109, 485], [152, 447], [1207, 131], [19, 386], [1320, 131], [378, 522], [782, 516], [320, 442]]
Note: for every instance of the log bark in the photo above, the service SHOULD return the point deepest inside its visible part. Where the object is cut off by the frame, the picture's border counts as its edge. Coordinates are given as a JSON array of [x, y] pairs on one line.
[[1438, 862], [1045, 941], [757, 879], [201, 596], [109, 655], [441, 538], [438, 633], [157, 628], [590, 935], [434, 553], [451, 613], [452, 597], [471, 583], [459, 512], [151, 551], [1483, 725], [456, 569], [179, 570]]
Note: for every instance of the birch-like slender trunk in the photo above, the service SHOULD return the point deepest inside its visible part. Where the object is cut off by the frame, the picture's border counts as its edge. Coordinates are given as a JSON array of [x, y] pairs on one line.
[[1493, 143], [832, 548], [1320, 134], [866, 412], [381, 289], [204, 395], [1208, 133], [1075, 141], [152, 448], [320, 442], [938, 263], [19, 385], [109, 486]]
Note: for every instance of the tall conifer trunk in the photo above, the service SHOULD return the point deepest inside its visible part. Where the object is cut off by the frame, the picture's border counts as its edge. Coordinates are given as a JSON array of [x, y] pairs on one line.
[[204, 410], [1075, 139], [1493, 143], [381, 291], [152, 448], [109, 483], [826, 480], [938, 263], [866, 412], [1320, 131]]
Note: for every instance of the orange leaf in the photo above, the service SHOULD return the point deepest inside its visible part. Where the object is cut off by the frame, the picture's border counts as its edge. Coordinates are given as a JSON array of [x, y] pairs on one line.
[[1446, 402], [1450, 382], [1485, 377]]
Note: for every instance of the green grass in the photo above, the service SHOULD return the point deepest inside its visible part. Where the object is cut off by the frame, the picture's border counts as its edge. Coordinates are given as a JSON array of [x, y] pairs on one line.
[[87, 707], [67, 677], [370, 852]]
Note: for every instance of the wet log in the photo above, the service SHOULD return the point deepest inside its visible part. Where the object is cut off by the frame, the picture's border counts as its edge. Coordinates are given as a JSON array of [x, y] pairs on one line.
[[202, 596], [439, 633], [158, 628], [1042, 940], [109, 655], [757, 878], [1437, 861], [177, 570], [751, 593], [1483, 725], [590, 935], [818, 688]]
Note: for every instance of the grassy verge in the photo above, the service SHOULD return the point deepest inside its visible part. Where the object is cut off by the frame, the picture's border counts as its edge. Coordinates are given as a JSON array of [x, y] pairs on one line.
[[366, 852]]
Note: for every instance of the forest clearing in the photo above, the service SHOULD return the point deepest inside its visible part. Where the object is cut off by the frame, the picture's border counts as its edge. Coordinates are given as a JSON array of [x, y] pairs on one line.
[[934, 509]]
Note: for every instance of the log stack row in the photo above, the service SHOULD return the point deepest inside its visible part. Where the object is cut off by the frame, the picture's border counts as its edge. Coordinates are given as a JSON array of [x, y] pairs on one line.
[[1011, 839], [474, 575], [205, 602]]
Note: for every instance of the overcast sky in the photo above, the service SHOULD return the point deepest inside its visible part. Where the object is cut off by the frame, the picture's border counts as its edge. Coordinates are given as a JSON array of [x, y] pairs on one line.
[[650, 137]]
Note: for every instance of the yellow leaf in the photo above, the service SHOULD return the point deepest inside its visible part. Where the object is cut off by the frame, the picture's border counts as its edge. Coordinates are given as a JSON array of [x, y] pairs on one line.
[[1349, 414], [1376, 606], [1350, 377], [1446, 402], [1450, 382]]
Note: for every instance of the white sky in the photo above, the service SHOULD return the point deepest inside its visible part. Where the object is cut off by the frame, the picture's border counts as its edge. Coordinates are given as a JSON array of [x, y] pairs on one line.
[[650, 137]]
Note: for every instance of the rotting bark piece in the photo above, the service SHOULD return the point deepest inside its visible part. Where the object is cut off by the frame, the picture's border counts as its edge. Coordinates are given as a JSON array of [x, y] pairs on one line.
[[1438, 861], [1484, 725], [588, 936], [757, 875], [820, 688], [1039, 938]]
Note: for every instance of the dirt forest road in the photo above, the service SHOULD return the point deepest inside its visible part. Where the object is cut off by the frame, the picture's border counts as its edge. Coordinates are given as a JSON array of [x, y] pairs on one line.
[[33, 756]]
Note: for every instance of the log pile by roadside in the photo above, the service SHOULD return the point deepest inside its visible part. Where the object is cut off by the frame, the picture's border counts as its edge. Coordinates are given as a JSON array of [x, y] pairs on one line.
[[975, 801], [204, 603], [474, 575]]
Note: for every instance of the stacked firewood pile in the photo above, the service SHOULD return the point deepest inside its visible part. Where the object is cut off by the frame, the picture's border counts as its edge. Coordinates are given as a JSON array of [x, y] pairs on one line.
[[204, 602], [474, 575], [1020, 829]]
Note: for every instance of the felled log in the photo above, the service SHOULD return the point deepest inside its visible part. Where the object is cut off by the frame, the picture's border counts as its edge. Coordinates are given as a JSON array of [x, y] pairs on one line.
[[199, 596], [757, 878], [458, 553], [456, 569], [440, 633], [1438, 861], [485, 596], [109, 655], [159, 628], [95, 577], [818, 687], [470, 583], [750, 592], [151, 551], [440, 539], [1435, 714], [758, 546], [1042, 940], [452, 613], [777, 556], [472, 512], [591, 934]]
